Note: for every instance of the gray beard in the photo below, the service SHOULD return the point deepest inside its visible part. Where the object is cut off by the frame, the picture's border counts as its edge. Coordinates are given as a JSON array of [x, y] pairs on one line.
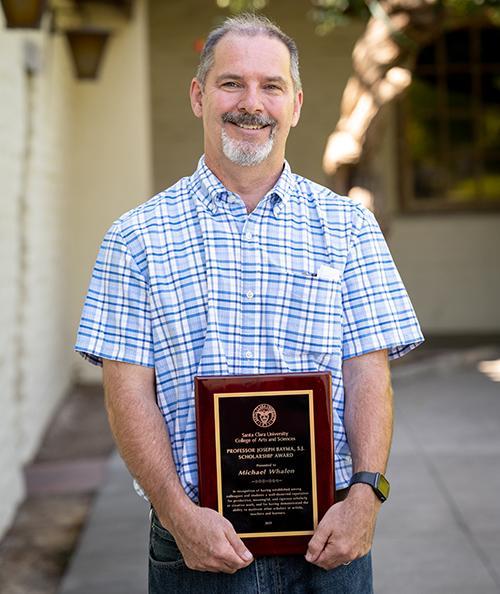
[[244, 153]]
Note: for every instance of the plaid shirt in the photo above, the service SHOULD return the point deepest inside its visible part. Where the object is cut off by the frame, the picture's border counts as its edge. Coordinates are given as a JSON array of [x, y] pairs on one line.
[[190, 284]]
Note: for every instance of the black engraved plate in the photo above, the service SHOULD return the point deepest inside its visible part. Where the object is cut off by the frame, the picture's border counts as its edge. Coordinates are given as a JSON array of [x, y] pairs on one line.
[[266, 466]]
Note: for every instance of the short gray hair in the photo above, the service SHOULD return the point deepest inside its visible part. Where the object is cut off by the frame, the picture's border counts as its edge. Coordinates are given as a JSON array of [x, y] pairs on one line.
[[250, 25]]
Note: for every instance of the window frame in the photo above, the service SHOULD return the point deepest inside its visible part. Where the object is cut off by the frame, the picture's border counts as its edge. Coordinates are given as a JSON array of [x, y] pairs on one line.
[[408, 202]]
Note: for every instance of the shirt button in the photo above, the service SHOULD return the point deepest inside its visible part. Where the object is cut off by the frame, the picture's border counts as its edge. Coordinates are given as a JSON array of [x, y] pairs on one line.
[[248, 236], [249, 354], [250, 294]]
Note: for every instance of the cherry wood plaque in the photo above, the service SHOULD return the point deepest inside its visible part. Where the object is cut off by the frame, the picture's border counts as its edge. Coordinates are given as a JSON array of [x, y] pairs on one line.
[[265, 455]]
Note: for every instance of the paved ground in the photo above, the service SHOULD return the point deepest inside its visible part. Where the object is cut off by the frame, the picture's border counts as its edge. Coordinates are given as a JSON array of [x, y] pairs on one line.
[[438, 534], [61, 482]]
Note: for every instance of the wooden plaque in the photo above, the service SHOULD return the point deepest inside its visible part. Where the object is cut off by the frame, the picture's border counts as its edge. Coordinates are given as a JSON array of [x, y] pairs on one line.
[[265, 455]]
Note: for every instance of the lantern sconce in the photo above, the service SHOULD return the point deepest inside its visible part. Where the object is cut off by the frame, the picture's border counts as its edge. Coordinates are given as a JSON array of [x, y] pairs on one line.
[[23, 14], [87, 45]]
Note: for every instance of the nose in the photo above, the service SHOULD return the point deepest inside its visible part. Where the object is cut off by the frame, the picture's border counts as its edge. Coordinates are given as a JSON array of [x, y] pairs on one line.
[[251, 101]]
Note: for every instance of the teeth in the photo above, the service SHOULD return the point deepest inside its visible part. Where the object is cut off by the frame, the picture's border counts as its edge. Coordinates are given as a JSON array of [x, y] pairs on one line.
[[250, 127]]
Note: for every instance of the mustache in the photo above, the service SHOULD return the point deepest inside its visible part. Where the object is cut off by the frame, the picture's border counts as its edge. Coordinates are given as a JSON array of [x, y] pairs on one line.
[[248, 119]]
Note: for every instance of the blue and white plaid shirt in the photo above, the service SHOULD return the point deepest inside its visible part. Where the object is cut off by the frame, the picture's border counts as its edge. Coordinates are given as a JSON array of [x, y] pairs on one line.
[[190, 284]]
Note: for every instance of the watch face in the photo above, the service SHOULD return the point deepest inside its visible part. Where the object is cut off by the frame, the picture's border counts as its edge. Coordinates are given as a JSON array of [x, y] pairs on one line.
[[383, 486]]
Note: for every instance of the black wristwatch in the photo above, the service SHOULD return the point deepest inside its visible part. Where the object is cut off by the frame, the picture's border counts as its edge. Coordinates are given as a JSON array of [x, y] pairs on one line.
[[376, 480]]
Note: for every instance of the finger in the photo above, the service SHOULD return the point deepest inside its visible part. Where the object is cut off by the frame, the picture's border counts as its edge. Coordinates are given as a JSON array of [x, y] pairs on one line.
[[239, 546], [226, 561], [327, 560], [336, 554], [331, 564], [231, 570], [224, 568], [317, 544]]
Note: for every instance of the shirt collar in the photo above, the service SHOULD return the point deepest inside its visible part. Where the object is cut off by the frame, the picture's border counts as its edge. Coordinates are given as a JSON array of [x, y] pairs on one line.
[[211, 191], [207, 186], [282, 190]]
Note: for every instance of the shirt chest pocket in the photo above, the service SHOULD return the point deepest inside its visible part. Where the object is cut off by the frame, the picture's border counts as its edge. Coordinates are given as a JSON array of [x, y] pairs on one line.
[[305, 311]]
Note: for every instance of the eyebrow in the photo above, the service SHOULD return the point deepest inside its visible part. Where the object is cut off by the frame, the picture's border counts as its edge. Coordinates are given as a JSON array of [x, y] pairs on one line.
[[269, 79]]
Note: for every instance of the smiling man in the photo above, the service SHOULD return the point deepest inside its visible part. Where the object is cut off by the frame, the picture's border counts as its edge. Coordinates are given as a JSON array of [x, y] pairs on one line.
[[248, 96], [246, 268]]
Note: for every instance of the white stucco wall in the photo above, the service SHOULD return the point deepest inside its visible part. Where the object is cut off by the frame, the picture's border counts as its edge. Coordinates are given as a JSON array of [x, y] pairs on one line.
[[74, 156], [35, 365], [12, 132]]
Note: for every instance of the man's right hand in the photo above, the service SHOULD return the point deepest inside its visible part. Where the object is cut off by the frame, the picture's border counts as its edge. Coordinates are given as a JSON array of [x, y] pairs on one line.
[[208, 542]]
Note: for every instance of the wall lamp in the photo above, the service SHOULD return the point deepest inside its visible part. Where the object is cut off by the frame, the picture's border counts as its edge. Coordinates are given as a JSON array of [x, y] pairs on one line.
[[87, 47], [86, 44], [23, 14]]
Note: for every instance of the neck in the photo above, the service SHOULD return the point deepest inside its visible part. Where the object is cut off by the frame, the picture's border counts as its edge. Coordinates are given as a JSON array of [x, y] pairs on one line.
[[251, 184]]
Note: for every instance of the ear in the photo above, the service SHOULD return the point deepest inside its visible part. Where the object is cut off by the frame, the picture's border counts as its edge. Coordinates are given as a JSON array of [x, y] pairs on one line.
[[299, 99], [196, 96]]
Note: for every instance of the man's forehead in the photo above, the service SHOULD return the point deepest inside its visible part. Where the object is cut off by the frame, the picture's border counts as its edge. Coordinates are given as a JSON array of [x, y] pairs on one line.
[[269, 51]]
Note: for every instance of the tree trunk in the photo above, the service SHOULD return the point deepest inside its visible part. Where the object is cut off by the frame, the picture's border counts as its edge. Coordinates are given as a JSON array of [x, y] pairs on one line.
[[383, 59]]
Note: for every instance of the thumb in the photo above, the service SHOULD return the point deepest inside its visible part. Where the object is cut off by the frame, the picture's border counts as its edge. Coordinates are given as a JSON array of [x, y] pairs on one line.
[[238, 545]]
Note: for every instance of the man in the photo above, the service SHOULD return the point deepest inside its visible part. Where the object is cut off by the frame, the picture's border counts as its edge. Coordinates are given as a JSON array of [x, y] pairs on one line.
[[246, 268]]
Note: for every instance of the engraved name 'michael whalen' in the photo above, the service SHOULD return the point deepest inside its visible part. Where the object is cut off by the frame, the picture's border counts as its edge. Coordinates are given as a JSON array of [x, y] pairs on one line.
[[265, 471]]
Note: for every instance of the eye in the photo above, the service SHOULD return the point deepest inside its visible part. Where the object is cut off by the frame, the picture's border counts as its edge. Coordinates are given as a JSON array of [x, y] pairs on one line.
[[273, 87], [231, 84]]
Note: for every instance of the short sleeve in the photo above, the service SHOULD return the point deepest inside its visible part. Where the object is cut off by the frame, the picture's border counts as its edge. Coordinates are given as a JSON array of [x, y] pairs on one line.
[[115, 322], [377, 311]]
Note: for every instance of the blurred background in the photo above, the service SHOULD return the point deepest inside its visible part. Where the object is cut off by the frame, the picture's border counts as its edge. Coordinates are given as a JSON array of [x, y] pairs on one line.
[[401, 112]]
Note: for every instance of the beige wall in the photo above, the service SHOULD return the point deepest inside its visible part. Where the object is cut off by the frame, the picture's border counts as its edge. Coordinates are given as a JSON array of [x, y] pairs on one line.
[[111, 154], [450, 264]]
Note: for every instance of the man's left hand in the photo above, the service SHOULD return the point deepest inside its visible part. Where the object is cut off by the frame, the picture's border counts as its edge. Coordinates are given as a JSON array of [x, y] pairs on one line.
[[346, 531]]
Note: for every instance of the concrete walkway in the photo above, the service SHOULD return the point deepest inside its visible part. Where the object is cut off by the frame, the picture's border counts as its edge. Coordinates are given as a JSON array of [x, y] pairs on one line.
[[438, 534]]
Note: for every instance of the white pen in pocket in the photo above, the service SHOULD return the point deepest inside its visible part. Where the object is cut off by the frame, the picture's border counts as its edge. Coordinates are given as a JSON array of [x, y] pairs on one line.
[[325, 272]]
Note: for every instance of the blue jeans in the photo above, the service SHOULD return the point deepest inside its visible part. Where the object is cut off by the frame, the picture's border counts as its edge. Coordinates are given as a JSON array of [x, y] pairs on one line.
[[266, 575]]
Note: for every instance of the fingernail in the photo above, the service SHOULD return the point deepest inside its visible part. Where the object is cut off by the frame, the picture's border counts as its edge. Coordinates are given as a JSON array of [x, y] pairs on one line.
[[247, 555], [308, 557]]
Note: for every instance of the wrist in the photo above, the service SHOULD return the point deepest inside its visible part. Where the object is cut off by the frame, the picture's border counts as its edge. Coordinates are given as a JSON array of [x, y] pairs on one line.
[[173, 509], [363, 494]]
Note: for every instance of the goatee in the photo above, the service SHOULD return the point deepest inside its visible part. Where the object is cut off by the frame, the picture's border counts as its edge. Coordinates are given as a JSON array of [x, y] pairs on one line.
[[244, 152]]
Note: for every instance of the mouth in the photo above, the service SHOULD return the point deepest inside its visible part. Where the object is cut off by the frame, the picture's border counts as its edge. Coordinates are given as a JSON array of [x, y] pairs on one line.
[[250, 126], [248, 122]]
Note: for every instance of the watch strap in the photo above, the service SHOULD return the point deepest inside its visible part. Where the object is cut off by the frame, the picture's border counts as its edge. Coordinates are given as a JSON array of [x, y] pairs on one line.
[[376, 480]]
